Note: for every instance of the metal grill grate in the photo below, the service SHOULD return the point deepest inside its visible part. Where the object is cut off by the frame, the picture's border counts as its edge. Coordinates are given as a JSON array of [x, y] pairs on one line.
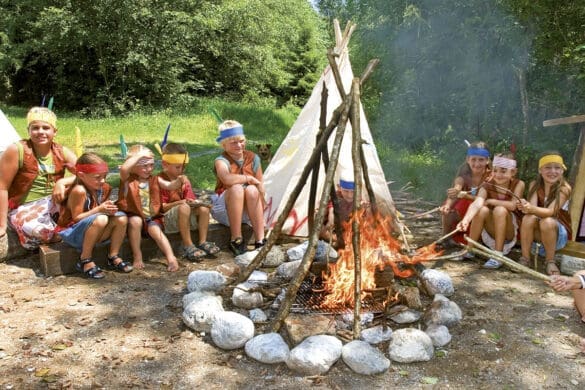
[[309, 300]]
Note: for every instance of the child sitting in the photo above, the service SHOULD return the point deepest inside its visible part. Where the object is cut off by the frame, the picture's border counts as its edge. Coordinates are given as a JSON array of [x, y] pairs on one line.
[[492, 213], [140, 198], [471, 174], [546, 215], [89, 217], [182, 212]]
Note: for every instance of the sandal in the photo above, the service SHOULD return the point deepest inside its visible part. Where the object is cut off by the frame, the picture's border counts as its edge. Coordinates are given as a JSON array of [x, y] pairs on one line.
[[238, 246], [121, 266], [94, 272], [192, 253], [209, 247], [524, 261], [260, 244], [551, 268]]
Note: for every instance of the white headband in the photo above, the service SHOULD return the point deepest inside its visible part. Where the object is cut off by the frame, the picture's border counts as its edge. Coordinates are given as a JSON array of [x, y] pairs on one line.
[[504, 162]]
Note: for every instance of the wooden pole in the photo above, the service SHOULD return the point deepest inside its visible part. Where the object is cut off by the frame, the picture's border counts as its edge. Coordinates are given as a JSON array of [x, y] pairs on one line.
[[294, 195], [357, 205], [307, 261]]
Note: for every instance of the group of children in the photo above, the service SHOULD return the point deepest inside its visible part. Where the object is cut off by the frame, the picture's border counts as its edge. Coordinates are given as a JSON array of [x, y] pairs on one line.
[[487, 200], [34, 189]]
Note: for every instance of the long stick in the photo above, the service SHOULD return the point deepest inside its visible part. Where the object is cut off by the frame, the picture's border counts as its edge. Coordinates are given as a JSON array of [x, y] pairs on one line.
[[476, 246], [445, 236], [420, 215], [503, 189]]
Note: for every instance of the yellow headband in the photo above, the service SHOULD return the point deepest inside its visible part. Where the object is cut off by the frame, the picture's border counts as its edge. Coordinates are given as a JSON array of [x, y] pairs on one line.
[[551, 158], [41, 114], [176, 158]]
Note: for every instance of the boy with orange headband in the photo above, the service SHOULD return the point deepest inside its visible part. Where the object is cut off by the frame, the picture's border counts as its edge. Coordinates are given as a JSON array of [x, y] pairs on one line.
[[492, 214], [546, 211], [31, 180], [89, 217], [182, 211]]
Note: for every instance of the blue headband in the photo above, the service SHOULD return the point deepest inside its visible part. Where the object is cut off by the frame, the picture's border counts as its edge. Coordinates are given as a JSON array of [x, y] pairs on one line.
[[227, 133], [347, 185], [478, 152]]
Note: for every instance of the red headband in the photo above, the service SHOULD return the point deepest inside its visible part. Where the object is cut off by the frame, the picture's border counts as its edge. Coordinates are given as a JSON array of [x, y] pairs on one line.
[[92, 168]]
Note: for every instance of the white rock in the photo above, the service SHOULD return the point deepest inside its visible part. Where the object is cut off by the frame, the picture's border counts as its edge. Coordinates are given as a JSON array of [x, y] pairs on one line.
[[274, 257], [322, 251], [376, 334], [231, 330], [364, 359], [315, 355], [245, 258], [439, 334], [407, 316], [205, 281], [442, 312], [267, 348], [288, 270], [257, 316], [257, 276], [437, 282], [365, 318], [199, 313], [410, 345], [244, 298]]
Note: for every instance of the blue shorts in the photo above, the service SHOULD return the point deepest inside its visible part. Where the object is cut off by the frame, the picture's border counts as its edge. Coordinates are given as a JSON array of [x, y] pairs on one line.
[[562, 239]]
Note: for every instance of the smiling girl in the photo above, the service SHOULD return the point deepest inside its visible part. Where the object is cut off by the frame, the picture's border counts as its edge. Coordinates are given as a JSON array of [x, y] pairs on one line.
[[546, 215], [492, 212]]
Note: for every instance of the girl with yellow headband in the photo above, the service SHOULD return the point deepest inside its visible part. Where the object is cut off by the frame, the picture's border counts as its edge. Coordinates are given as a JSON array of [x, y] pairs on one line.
[[182, 211], [546, 211], [89, 217]]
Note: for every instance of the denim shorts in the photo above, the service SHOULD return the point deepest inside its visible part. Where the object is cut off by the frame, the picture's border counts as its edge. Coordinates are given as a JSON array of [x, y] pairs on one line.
[[562, 240]]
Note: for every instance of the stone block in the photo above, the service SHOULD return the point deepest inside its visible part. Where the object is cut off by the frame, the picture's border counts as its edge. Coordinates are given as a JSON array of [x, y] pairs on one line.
[[572, 257]]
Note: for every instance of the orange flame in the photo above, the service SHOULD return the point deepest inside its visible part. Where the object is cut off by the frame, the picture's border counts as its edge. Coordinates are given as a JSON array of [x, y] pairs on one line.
[[378, 248]]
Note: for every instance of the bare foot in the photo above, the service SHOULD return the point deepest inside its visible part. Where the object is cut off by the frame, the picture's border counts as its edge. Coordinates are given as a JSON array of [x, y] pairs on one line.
[[173, 265], [138, 264]]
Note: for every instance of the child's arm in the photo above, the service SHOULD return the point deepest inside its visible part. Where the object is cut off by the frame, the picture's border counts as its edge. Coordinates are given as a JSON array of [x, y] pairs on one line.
[[452, 195], [131, 161], [173, 184], [512, 204], [76, 200], [472, 210], [531, 207]]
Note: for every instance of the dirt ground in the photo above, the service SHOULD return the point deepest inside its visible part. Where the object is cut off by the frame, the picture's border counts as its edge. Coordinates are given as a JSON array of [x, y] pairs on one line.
[[126, 332]]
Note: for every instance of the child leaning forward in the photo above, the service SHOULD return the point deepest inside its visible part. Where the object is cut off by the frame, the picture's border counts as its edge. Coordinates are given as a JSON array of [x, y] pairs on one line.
[[140, 198], [182, 211], [88, 217]]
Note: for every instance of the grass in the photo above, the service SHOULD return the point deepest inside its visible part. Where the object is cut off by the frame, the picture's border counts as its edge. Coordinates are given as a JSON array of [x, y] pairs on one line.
[[196, 130]]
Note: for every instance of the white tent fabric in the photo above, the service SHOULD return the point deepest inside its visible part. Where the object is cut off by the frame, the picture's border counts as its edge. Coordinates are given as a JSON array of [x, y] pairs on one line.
[[8, 134], [286, 167]]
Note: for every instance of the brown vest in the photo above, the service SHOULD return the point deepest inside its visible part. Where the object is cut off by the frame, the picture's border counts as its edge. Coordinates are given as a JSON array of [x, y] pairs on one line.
[[562, 215], [90, 201], [245, 169], [22, 182], [129, 196]]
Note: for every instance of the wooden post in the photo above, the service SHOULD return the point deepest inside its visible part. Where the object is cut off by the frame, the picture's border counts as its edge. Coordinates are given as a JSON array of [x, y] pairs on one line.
[[357, 205]]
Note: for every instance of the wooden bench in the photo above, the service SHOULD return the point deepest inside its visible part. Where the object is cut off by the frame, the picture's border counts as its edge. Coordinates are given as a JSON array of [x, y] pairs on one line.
[[572, 257], [60, 258]]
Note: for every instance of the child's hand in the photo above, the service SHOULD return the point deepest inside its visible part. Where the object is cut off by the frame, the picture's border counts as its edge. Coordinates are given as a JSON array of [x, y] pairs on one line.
[[463, 225], [452, 193], [109, 207], [524, 206]]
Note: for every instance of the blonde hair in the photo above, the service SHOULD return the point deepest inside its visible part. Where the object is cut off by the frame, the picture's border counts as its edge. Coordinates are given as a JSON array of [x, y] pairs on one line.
[[229, 124], [135, 149]]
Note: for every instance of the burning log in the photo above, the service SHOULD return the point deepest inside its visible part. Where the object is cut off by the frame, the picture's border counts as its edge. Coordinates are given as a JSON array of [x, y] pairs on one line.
[[480, 249]]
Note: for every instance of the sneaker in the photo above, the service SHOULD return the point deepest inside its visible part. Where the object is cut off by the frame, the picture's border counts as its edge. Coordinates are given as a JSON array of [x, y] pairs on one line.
[[238, 246], [468, 256], [492, 264]]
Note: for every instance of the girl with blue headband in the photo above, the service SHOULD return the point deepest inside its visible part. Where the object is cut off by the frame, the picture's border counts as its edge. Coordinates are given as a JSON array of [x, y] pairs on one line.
[[471, 174], [546, 211], [239, 191]]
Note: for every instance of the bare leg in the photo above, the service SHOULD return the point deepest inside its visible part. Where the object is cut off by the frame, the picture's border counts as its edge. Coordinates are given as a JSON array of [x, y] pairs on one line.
[[91, 237], [548, 236], [134, 238], [477, 223], [579, 296], [184, 216], [234, 203], [255, 211], [529, 224], [164, 245], [502, 227], [202, 223]]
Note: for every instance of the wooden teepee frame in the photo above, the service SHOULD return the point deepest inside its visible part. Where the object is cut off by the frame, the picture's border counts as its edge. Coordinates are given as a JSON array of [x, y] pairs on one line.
[[349, 109]]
